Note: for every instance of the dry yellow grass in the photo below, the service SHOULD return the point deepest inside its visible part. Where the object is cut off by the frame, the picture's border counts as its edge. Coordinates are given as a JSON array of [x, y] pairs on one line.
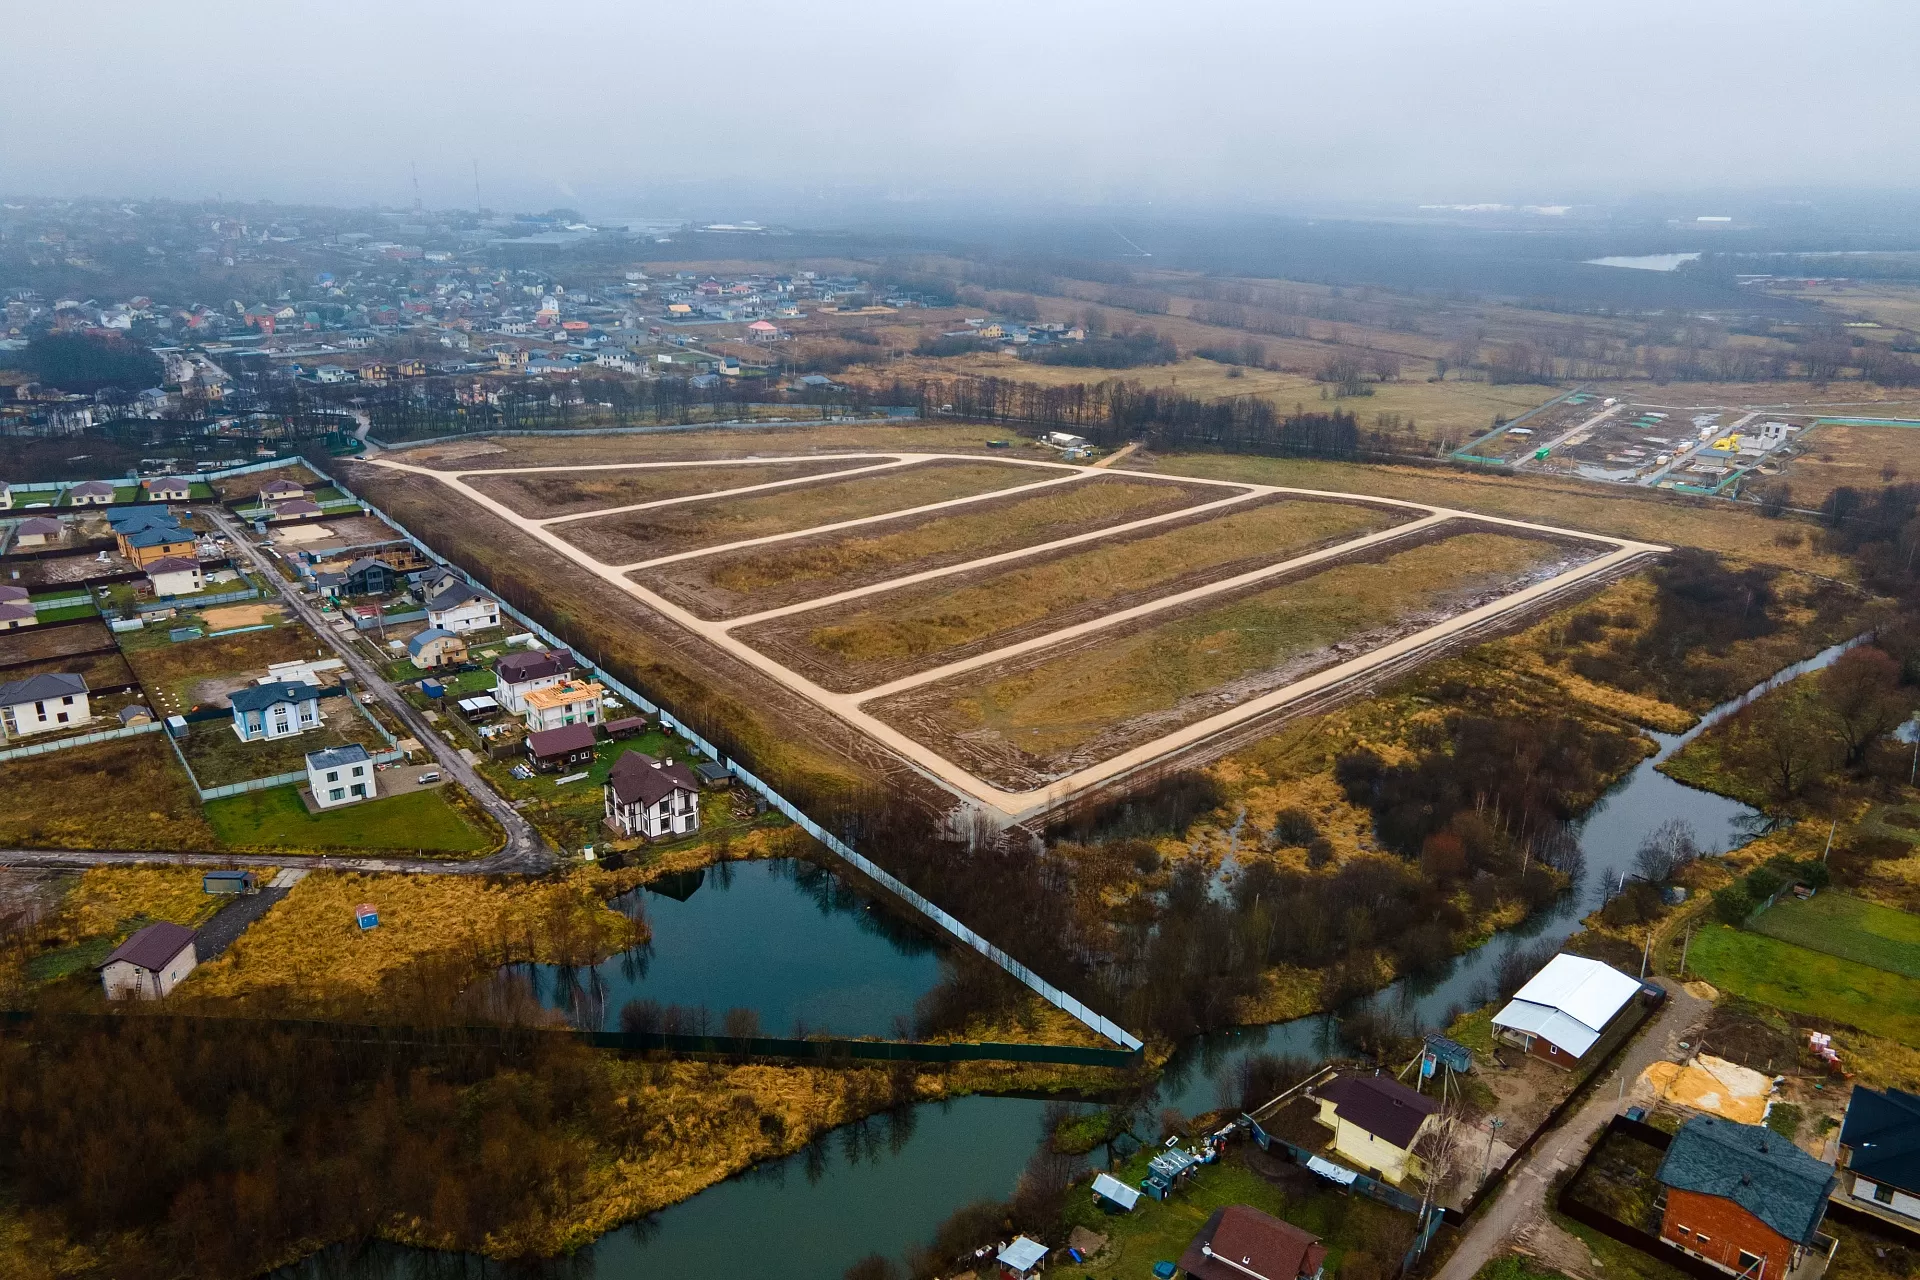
[[915, 623], [1739, 533], [487, 453], [967, 534], [126, 794], [1067, 701], [108, 897], [309, 946], [1863, 458], [566, 492]]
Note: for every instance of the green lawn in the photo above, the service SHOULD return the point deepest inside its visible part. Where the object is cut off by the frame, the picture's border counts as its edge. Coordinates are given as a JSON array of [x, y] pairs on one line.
[[65, 614], [1786, 976], [1850, 928], [1159, 1230], [419, 820]]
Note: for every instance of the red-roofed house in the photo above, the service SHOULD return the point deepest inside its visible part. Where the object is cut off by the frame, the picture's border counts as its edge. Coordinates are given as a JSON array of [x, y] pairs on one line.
[[1239, 1241], [651, 798]]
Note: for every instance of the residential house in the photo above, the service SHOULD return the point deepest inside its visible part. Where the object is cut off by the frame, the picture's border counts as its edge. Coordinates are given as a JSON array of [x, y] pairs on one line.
[[1880, 1150], [369, 577], [1376, 1121], [462, 607], [434, 647], [16, 609], [518, 674], [36, 531], [329, 585], [1239, 1241], [553, 749], [43, 703], [341, 775], [156, 542], [168, 489], [282, 491], [296, 509], [652, 798], [1744, 1199], [6, 496], [279, 709], [90, 493], [330, 373], [174, 576], [1565, 1008], [150, 963], [568, 702]]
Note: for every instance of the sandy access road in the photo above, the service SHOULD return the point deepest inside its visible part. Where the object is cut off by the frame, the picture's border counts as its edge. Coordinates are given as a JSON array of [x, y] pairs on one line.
[[1016, 805]]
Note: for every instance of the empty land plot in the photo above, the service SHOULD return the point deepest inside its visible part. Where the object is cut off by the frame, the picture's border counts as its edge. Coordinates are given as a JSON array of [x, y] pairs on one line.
[[735, 583], [869, 641], [1841, 455], [1043, 715], [103, 670], [37, 644], [174, 670], [1850, 928], [644, 535], [563, 493], [488, 453]]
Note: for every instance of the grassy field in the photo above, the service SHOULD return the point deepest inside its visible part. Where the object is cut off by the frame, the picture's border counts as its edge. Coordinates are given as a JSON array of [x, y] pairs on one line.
[[1152, 680], [645, 534], [1850, 928], [1160, 1230], [126, 794], [484, 453], [857, 645], [1741, 534], [171, 671], [418, 821], [1864, 458], [100, 670], [1771, 972], [563, 493], [773, 575]]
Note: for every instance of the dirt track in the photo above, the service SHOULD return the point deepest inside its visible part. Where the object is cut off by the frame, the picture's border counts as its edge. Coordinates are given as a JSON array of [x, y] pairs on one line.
[[1018, 804]]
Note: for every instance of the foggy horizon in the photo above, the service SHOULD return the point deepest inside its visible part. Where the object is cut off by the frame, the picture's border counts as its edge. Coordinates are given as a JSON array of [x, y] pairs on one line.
[[625, 112]]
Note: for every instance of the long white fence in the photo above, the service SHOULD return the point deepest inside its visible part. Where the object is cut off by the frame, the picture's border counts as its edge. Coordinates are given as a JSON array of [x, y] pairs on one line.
[[840, 848], [79, 740]]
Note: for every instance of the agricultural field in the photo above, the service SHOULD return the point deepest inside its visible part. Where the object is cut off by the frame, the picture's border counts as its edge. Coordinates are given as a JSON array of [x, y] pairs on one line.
[[879, 638], [1846, 927], [1175, 610], [1035, 719], [512, 452], [647, 535], [732, 584], [232, 488], [1790, 977], [1837, 454], [425, 821], [570, 492]]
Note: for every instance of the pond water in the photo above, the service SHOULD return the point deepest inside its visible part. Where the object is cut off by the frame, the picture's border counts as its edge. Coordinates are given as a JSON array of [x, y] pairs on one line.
[[1644, 261], [784, 938], [885, 1183]]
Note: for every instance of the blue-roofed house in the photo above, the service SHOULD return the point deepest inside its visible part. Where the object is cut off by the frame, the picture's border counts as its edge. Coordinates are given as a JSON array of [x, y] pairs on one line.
[[1880, 1151], [341, 775], [435, 647], [1744, 1199], [277, 710]]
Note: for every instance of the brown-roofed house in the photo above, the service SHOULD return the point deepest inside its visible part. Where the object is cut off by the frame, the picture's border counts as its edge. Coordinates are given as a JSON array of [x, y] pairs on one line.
[[651, 798], [552, 749], [35, 531], [168, 489], [150, 963], [297, 509], [518, 674], [1375, 1121], [1239, 1241]]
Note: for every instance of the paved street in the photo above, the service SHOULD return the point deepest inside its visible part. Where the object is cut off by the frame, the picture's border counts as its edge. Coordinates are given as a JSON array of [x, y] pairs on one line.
[[525, 851]]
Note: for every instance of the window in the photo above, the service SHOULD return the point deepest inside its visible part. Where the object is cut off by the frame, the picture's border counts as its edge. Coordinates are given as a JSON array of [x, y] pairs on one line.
[[359, 771], [1883, 1193], [336, 794], [1702, 1237], [1685, 1231], [62, 717], [333, 775], [360, 788], [1749, 1261], [67, 701]]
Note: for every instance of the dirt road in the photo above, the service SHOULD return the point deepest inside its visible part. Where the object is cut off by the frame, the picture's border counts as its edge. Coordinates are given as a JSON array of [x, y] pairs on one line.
[[525, 851], [1520, 1208]]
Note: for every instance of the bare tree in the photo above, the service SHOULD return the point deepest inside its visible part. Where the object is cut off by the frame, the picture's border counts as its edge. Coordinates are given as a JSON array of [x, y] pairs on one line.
[[1667, 848], [1860, 694]]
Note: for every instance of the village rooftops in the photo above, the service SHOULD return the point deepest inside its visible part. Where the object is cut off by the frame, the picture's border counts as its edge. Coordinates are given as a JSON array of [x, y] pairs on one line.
[[1754, 1167], [42, 688], [127, 519], [152, 947], [453, 594], [518, 668], [39, 525], [297, 507], [1569, 1003], [171, 564], [10, 594], [92, 489], [637, 777], [1380, 1105], [567, 691], [1882, 1133], [1239, 1241], [564, 741], [159, 535], [336, 757]]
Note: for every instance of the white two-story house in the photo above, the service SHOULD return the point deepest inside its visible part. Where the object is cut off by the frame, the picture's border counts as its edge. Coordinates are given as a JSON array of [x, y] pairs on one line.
[[341, 775], [518, 674], [276, 710], [567, 702], [43, 703], [458, 606], [651, 798]]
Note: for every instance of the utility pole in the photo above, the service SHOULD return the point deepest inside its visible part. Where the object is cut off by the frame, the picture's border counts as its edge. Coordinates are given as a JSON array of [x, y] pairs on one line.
[[1685, 942], [1830, 830], [1486, 1162], [1646, 953]]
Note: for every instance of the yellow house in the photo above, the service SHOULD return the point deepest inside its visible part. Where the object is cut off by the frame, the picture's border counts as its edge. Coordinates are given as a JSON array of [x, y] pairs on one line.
[[1376, 1122]]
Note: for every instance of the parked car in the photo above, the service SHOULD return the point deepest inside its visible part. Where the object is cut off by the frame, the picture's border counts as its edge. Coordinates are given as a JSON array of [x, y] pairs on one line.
[[431, 775]]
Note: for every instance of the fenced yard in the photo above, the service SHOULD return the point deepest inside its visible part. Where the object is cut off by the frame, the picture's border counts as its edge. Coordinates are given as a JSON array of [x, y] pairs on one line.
[[1850, 928]]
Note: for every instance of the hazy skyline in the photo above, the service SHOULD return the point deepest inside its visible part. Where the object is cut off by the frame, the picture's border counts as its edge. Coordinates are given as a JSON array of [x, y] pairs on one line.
[[618, 107]]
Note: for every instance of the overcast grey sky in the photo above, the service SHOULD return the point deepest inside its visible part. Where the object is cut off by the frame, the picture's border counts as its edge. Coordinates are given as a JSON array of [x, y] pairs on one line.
[[609, 105]]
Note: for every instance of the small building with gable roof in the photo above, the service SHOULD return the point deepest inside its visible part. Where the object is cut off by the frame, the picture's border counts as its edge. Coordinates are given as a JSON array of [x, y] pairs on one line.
[[150, 963]]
